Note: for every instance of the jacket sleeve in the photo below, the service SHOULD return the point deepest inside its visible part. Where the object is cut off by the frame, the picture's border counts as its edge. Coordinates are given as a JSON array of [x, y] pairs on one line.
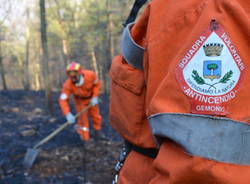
[[64, 99], [97, 86]]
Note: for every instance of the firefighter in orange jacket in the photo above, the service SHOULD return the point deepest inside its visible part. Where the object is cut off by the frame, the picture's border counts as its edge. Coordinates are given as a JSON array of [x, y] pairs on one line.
[[84, 86]]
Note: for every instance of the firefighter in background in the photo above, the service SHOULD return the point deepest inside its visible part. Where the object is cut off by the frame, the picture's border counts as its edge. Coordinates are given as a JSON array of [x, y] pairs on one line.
[[84, 86]]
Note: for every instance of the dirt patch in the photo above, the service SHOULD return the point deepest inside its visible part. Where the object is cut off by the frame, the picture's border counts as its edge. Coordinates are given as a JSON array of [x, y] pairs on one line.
[[65, 159]]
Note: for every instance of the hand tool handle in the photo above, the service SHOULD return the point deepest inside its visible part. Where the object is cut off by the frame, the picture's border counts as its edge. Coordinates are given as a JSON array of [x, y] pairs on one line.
[[59, 129]]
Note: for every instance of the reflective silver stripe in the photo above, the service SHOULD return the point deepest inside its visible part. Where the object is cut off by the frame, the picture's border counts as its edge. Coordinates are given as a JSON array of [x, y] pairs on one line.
[[84, 129], [63, 96], [132, 52], [214, 138]]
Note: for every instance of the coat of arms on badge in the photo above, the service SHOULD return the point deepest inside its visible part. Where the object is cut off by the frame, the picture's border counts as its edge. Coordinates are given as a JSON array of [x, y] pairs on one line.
[[210, 72], [212, 68]]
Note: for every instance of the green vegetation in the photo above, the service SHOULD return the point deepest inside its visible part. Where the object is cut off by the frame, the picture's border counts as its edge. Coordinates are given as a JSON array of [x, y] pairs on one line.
[[87, 31]]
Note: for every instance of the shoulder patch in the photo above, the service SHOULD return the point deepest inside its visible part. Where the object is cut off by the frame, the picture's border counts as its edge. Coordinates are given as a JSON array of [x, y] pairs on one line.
[[210, 73]]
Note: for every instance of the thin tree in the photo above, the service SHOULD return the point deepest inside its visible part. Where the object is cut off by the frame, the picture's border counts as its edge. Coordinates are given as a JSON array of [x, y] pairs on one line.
[[5, 12], [2, 69], [45, 58], [26, 80], [110, 46]]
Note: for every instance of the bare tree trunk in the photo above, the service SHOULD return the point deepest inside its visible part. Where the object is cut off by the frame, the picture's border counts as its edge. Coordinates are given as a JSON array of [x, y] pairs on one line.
[[37, 76], [26, 80], [64, 44], [65, 52], [110, 39], [64, 57], [35, 64], [47, 81], [2, 69], [94, 62], [3, 74], [101, 77], [110, 46]]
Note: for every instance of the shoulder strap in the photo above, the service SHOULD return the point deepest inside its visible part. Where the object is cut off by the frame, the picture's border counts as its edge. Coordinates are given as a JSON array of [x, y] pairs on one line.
[[134, 11]]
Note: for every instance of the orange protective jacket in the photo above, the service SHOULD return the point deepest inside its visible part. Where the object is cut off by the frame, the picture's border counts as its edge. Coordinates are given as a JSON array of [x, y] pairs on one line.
[[191, 90], [81, 94]]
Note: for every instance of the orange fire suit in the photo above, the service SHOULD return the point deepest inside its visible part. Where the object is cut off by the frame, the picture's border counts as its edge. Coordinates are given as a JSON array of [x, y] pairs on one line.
[[183, 101], [82, 96]]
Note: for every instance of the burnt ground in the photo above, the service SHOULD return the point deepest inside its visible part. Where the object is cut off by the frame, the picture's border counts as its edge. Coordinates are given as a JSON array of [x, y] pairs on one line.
[[63, 160]]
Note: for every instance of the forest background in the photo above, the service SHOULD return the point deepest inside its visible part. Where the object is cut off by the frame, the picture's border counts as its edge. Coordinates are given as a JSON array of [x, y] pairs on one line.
[[86, 31]]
